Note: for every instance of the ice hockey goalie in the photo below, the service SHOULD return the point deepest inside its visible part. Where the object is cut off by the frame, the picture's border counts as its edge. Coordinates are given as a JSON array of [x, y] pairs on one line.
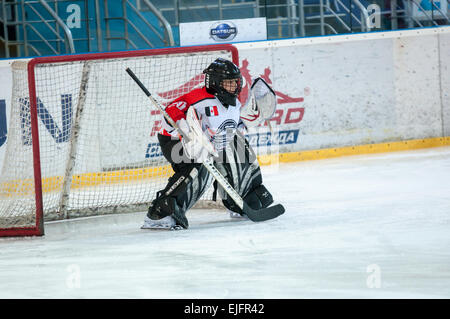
[[216, 110]]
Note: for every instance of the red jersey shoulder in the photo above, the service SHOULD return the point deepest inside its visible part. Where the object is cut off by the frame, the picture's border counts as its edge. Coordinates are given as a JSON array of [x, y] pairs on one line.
[[195, 96]]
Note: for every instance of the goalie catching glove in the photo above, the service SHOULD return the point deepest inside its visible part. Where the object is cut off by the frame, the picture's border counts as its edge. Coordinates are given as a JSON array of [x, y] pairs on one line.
[[261, 104]]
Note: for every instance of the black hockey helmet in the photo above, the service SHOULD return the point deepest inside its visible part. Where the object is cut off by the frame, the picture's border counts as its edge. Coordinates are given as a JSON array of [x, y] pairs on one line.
[[218, 71]]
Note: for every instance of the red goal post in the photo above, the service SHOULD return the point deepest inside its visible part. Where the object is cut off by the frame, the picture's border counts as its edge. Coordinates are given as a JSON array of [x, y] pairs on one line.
[[82, 134]]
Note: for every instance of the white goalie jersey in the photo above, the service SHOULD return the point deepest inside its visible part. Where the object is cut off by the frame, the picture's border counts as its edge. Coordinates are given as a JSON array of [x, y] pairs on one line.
[[218, 122]]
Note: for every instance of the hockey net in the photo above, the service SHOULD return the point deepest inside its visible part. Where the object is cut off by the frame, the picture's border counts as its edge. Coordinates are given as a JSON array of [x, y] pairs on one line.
[[83, 137]]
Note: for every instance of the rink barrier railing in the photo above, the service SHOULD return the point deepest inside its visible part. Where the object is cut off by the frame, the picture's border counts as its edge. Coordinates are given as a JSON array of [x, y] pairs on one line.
[[50, 184]]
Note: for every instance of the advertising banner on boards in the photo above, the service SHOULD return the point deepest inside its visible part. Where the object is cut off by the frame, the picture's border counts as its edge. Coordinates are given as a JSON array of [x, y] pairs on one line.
[[223, 31]]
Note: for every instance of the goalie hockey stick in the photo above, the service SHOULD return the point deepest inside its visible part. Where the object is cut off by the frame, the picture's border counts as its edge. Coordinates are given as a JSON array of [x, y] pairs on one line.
[[255, 215]]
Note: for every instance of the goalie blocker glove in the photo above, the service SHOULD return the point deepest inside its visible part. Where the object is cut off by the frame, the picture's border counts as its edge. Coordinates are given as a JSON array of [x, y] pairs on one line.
[[196, 144]]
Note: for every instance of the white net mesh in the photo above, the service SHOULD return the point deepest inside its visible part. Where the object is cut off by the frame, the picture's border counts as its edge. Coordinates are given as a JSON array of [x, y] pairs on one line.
[[17, 178], [117, 162]]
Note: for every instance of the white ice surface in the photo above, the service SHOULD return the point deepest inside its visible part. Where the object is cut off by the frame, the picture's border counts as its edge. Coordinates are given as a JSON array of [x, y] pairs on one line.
[[372, 226]]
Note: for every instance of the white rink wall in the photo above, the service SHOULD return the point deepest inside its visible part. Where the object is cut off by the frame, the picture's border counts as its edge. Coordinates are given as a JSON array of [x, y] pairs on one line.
[[341, 90], [444, 67], [359, 89]]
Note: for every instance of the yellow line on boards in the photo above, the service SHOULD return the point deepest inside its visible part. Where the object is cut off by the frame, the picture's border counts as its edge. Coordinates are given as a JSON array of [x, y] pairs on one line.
[[355, 150], [55, 183]]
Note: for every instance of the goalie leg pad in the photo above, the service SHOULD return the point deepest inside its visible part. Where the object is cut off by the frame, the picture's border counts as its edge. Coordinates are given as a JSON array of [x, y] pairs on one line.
[[183, 190], [259, 197], [242, 171]]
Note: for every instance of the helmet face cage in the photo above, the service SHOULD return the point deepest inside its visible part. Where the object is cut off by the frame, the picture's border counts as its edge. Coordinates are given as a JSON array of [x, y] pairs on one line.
[[218, 71]]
